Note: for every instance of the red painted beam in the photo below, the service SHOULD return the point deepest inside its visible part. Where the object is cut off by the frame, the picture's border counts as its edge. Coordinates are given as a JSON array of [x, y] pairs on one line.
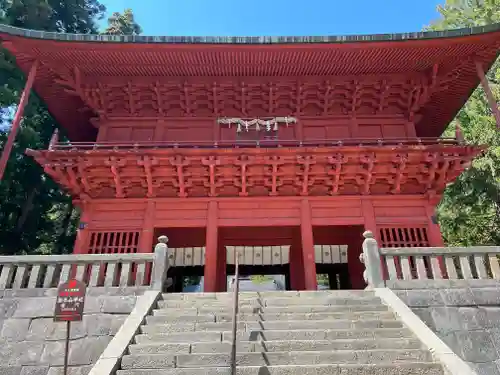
[[17, 119]]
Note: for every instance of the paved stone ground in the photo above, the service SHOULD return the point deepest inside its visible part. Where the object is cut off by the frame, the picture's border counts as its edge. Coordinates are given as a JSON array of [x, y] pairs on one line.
[[465, 317], [32, 344]]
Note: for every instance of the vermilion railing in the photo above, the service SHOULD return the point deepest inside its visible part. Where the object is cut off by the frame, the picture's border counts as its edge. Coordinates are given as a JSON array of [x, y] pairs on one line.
[[255, 144]]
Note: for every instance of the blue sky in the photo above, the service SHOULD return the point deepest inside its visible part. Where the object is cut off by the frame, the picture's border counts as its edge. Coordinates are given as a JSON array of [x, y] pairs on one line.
[[278, 17]]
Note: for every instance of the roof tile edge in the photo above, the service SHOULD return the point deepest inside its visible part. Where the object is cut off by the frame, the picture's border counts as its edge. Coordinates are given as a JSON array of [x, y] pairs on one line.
[[34, 34]]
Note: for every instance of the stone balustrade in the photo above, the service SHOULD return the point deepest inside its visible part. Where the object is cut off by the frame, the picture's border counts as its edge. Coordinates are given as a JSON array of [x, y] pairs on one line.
[[95, 270], [428, 263]]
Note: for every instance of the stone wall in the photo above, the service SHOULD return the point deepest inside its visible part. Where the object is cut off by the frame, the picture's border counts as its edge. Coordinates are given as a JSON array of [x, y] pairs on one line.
[[32, 344], [464, 314]]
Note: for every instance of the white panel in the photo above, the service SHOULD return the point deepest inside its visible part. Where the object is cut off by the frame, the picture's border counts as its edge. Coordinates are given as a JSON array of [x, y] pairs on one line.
[[335, 253], [285, 254], [248, 257], [179, 256], [276, 252], [343, 253], [171, 257], [327, 253], [230, 250], [188, 256], [257, 251], [267, 255], [197, 256], [318, 253]]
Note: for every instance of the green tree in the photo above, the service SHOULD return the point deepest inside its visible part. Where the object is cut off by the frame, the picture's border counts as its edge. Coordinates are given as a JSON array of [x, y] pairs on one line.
[[123, 24], [35, 215], [469, 212]]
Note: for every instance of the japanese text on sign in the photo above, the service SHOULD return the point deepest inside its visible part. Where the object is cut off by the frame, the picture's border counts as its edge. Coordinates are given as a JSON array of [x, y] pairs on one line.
[[70, 301]]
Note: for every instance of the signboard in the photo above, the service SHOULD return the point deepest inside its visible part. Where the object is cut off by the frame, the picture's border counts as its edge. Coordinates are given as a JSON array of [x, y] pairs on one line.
[[70, 301]]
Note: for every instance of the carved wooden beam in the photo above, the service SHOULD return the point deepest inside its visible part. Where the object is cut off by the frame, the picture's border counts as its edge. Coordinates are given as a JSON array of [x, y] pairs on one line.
[[180, 162], [186, 99], [147, 163], [275, 162], [243, 99], [130, 91], [115, 164], [74, 185], [304, 179], [211, 162], [398, 168], [368, 161], [336, 161], [243, 161], [158, 98], [326, 97], [215, 99], [82, 174]]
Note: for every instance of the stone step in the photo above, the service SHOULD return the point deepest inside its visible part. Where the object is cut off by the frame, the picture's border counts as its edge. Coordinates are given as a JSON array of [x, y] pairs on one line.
[[321, 316], [271, 325], [180, 317], [155, 361], [323, 301], [271, 294], [275, 346], [272, 335], [318, 334], [405, 368], [176, 311]]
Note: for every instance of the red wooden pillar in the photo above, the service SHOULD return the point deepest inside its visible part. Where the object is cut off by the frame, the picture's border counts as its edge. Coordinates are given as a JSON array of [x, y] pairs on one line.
[[306, 231], [146, 239], [82, 233], [211, 249], [369, 216], [297, 276], [17, 119], [221, 268], [355, 267], [489, 95]]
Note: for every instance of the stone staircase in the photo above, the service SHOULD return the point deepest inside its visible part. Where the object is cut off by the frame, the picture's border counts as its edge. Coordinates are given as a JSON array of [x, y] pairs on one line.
[[279, 333]]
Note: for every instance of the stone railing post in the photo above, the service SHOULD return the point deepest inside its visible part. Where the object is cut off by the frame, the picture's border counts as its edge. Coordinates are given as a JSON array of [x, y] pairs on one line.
[[160, 264], [370, 257]]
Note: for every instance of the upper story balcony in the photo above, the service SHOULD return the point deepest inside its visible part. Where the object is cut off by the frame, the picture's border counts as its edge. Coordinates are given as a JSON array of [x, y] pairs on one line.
[[268, 167], [269, 143]]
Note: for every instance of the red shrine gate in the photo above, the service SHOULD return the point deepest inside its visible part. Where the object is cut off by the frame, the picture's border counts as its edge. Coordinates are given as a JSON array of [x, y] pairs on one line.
[[297, 143]]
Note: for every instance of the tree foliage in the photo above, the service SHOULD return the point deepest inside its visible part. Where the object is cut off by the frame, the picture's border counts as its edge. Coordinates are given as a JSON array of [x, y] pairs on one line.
[[35, 215], [123, 24], [469, 212]]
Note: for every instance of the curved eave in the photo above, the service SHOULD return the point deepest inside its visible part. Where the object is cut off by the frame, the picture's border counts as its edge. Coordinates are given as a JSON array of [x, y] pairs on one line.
[[34, 34], [170, 56]]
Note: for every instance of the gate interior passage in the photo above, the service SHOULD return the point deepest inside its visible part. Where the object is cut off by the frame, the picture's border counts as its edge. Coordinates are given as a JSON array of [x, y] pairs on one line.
[[187, 265]]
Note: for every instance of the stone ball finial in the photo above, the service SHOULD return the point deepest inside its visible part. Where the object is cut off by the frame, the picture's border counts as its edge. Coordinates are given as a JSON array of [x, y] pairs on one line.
[[163, 239], [368, 234]]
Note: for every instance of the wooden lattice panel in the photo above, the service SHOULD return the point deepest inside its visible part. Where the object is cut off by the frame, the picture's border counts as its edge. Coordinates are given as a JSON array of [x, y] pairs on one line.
[[113, 242], [404, 237], [392, 237]]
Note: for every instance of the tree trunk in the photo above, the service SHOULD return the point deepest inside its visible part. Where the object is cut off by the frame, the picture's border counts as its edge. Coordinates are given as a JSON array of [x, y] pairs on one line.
[[27, 207]]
